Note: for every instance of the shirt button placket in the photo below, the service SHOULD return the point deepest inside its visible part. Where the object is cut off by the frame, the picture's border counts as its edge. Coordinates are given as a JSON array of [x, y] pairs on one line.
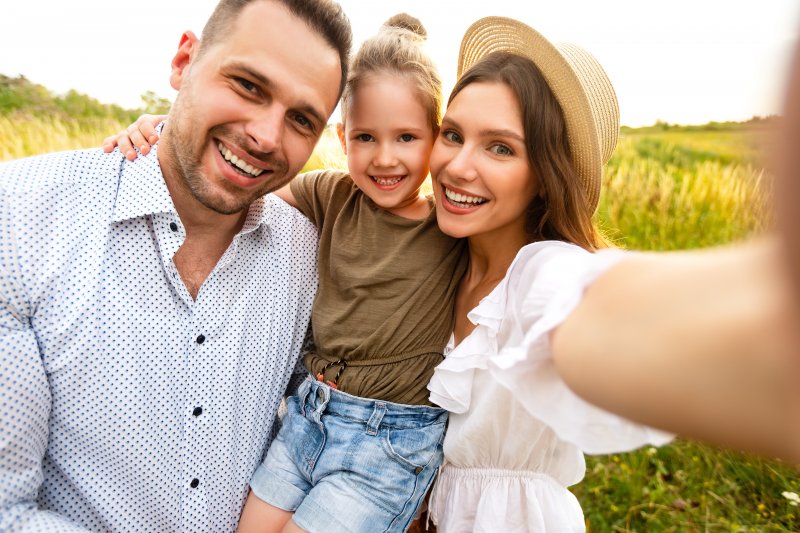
[[196, 459]]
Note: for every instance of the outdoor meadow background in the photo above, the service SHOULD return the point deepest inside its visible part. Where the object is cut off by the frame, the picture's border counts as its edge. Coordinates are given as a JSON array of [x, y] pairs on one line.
[[667, 187]]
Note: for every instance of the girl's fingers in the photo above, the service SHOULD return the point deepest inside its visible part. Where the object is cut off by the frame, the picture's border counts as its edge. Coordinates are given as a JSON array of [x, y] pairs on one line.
[[126, 145]]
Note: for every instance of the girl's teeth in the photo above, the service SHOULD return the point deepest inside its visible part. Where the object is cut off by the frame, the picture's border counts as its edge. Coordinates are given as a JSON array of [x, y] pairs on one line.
[[387, 181], [238, 163]]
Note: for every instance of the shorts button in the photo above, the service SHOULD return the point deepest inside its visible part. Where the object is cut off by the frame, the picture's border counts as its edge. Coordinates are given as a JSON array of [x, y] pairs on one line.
[[418, 470]]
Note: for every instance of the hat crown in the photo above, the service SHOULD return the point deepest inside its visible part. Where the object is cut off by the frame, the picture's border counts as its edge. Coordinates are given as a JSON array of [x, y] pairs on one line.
[[578, 82]]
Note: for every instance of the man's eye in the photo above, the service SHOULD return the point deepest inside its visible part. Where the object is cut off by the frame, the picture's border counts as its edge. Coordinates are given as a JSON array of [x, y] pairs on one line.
[[246, 85], [303, 121], [407, 138]]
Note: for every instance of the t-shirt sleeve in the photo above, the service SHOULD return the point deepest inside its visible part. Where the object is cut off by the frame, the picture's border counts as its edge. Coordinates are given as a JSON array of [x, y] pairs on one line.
[[315, 191], [543, 292]]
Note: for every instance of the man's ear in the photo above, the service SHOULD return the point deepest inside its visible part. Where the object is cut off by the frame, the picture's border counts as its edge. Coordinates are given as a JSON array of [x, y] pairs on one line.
[[187, 50], [340, 134]]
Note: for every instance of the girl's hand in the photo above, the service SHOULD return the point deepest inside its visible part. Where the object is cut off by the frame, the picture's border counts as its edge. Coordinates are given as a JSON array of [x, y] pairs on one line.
[[141, 134]]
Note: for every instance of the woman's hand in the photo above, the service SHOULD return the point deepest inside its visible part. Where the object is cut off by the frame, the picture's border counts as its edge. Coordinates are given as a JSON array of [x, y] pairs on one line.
[[141, 134]]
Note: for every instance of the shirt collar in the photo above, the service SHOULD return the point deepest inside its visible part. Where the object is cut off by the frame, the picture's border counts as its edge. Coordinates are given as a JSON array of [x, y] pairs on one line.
[[143, 191]]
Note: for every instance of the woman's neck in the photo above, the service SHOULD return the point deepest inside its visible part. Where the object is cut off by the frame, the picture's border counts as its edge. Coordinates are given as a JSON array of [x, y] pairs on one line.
[[491, 255]]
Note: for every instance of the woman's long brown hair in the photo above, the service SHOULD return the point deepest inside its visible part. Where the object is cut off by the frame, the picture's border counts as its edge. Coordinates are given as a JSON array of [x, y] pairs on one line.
[[560, 210]]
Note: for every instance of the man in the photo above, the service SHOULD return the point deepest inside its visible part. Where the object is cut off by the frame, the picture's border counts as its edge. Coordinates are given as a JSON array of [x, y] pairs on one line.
[[152, 312]]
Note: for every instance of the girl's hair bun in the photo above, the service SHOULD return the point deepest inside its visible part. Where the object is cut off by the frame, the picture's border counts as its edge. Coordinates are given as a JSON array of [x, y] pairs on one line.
[[406, 22]]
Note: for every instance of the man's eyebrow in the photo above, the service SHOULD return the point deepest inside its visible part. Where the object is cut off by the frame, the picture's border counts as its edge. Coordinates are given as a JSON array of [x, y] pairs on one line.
[[261, 79]]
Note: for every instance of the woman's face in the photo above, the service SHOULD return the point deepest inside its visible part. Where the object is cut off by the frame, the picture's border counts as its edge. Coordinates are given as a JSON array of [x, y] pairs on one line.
[[482, 179]]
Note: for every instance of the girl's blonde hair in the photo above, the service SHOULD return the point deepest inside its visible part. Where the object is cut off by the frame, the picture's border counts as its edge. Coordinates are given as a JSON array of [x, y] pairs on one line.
[[397, 49]]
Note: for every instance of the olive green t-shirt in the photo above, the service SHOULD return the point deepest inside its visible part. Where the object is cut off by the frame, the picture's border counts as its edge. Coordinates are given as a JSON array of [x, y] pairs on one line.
[[386, 290]]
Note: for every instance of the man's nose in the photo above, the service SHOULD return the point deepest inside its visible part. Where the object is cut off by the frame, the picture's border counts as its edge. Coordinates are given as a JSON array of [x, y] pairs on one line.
[[266, 129]]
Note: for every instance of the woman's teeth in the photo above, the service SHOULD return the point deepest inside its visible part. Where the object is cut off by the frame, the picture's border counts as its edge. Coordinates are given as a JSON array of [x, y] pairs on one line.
[[462, 200], [252, 171]]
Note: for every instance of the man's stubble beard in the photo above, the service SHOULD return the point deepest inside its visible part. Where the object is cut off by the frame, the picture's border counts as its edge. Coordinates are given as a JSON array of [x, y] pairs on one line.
[[187, 166]]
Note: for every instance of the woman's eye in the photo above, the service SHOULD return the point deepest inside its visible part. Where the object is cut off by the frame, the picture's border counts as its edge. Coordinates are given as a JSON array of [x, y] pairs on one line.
[[452, 136], [407, 138], [501, 149], [364, 137]]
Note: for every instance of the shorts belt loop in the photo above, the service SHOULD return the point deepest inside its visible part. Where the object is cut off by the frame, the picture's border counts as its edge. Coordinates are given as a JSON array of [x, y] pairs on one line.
[[302, 393], [374, 421]]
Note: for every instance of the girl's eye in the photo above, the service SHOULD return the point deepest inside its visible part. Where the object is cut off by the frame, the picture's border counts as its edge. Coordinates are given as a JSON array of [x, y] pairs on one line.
[[364, 137], [501, 149], [407, 138], [246, 85], [452, 136]]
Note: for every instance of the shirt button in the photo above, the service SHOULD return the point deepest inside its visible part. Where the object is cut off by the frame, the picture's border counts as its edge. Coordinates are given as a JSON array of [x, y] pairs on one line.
[[195, 483], [197, 411], [201, 339], [173, 226], [418, 470], [321, 395]]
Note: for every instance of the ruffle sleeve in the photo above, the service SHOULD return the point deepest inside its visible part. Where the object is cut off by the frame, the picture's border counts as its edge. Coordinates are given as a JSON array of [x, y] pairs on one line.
[[511, 341]]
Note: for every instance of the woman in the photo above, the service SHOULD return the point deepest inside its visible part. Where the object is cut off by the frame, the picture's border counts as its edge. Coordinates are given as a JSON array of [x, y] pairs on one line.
[[516, 171]]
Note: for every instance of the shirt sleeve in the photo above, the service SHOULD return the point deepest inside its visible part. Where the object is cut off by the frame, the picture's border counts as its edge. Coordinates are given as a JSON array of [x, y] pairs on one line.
[[542, 294], [319, 191], [25, 401]]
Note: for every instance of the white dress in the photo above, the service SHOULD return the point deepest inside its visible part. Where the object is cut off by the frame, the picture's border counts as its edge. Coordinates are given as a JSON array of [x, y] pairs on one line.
[[517, 433]]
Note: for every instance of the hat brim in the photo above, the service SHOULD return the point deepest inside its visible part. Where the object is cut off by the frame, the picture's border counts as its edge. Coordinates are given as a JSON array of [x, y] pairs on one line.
[[581, 107]]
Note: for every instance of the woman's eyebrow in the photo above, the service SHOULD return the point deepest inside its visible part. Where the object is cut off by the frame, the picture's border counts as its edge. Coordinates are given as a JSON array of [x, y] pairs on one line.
[[489, 132], [502, 133]]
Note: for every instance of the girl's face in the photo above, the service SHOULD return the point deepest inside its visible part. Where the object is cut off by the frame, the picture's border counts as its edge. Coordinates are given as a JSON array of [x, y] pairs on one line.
[[388, 140], [482, 179]]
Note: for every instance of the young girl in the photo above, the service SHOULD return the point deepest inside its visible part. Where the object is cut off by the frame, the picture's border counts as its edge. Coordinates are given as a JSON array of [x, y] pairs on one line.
[[516, 170], [360, 444]]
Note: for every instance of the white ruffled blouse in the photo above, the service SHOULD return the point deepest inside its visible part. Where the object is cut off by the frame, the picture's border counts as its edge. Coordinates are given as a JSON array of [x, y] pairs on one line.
[[517, 433]]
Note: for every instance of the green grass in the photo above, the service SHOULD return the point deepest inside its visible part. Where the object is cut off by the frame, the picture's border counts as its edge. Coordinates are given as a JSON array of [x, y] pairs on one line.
[[663, 190]]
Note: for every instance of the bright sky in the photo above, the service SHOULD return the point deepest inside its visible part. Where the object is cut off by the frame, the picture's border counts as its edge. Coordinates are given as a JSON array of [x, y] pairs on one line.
[[683, 61]]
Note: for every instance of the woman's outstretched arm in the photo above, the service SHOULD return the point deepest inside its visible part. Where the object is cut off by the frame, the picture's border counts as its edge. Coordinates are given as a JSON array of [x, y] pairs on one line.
[[705, 344]]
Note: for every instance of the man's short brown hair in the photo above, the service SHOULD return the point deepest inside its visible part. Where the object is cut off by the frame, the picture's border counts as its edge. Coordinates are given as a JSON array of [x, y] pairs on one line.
[[325, 17]]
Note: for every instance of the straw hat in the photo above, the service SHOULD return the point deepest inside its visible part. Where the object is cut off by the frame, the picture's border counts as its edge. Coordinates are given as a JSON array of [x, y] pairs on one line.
[[577, 80]]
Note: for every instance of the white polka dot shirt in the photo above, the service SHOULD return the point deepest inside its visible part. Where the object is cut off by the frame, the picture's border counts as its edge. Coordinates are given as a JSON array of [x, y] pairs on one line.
[[124, 404]]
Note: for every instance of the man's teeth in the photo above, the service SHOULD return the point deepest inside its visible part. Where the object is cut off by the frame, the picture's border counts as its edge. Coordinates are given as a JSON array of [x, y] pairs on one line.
[[386, 181], [238, 163], [462, 200]]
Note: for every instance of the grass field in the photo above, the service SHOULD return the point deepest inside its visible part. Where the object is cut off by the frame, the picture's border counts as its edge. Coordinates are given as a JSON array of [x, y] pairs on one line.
[[662, 191]]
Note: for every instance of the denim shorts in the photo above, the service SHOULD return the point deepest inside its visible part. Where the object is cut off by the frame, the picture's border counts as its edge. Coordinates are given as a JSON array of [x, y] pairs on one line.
[[349, 464]]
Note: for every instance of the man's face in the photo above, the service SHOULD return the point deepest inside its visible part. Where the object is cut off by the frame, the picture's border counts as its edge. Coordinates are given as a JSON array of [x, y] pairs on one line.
[[251, 107]]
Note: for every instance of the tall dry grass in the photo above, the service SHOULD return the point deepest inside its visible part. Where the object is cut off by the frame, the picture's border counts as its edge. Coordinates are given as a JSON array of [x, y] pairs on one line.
[[23, 135]]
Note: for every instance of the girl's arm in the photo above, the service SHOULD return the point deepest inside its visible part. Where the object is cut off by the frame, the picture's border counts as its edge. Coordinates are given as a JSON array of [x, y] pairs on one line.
[[705, 344], [141, 134]]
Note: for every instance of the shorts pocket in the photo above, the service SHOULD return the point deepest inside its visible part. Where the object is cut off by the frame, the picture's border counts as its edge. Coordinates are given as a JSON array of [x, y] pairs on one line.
[[302, 438], [415, 448]]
